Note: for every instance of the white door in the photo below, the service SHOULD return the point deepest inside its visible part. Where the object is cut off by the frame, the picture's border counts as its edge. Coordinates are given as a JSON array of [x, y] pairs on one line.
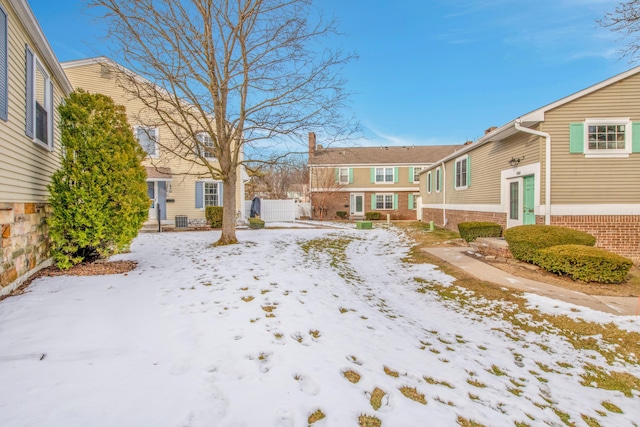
[[152, 192], [357, 204], [514, 207]]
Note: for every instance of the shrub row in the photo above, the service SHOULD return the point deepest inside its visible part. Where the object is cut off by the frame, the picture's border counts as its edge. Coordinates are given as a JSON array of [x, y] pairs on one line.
[[584, 263], [256, 223], [526, 240], [369, 216], [566, 251], [470, 231]]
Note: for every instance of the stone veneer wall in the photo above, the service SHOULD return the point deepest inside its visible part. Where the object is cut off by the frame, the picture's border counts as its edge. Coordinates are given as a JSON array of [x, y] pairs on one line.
[[24, 245], [615, 233]]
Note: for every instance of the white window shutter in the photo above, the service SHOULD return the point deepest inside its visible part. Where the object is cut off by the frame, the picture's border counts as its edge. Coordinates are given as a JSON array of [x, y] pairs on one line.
[[220, 189], [30, 100]]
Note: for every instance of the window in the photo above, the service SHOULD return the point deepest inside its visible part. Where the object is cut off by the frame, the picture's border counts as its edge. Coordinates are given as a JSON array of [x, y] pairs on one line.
[[413, 200], [604, 137], [4, 67], [462, 173], [514, 201], [39, 101], [429, 183], [384, 175], [416, 174], [343, 176], [212, 194], [206, 145], [147, 138], [208, 193], [438, 180], [384, 201]]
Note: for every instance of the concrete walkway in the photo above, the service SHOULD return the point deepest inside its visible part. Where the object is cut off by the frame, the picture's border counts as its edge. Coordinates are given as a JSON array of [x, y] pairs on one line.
[[624, 306]]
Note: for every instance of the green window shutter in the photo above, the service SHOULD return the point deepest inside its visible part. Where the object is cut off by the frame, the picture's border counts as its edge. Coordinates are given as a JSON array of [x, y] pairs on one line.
[[337, 175], [350, 175], [395, 175], [410, 201], [576, 138], [468, 171], [395, 201], [373, 175], [373, 201], [635, 137], [411, 172]]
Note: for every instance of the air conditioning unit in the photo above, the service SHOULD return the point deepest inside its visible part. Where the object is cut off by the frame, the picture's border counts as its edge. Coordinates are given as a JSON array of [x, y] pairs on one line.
[[182, 221]]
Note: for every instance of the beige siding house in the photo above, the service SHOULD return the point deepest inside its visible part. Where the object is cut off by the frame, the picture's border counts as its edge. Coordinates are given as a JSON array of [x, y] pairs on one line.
[[357, 180], [179, 189], [573, 163], [32, 85]]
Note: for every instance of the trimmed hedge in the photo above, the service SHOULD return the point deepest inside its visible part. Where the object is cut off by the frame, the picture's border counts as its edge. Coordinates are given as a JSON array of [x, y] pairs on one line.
[[584, 263], [526, 240], [470, 231], [213, 214], [369, 216], [341, 214], [256, 223]]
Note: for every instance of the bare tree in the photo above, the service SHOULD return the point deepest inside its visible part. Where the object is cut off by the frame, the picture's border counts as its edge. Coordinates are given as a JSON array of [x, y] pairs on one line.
[[243, 73], [625, 20], [326, 186], [280, 177]]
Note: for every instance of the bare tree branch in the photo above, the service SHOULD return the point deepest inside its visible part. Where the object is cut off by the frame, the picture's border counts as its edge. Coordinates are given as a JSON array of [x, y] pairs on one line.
[[245, 73]]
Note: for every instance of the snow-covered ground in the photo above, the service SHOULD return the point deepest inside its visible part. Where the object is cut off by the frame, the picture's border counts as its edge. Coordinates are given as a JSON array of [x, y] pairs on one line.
[[263, 332]]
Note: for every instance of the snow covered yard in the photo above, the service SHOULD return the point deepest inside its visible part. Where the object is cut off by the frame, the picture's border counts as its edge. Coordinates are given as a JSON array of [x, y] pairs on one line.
[[288, 323]]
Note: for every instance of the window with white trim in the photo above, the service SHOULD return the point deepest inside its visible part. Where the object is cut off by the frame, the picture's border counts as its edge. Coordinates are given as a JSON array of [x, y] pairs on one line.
[[384, 201], [39, 101], [147, 138], [461, 173], [416, 173], [607, 137], [343, 175], [413, 200], [212, 194], [205, 145], [384, 175], [429, 182], [438, 180]]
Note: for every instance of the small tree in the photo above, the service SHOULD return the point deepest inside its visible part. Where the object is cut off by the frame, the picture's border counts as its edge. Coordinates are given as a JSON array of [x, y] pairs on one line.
[[325, 185], [98, 196]]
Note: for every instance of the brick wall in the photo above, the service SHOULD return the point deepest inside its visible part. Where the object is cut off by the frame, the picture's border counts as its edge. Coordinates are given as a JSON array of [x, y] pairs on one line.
[[24, 246], [616, 233], [339, 201]]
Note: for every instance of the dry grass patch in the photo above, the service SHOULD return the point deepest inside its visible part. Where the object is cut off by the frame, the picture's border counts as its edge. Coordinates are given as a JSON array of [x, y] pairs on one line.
[[413, 394], [464, 422], [376, 398], [316, 416], [599, 378], [430, 380], [367, 421], [269, 308], [314, 333], [591, 422], [611, 407], [391, 372], [476, 383], [247, 298], [352, 376]]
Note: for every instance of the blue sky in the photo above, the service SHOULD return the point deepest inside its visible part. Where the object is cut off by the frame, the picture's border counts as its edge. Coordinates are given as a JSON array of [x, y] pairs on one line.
[[432, 71]]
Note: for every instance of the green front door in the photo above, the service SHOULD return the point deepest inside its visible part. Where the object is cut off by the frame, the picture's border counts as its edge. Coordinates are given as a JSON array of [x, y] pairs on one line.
[[528, 216]]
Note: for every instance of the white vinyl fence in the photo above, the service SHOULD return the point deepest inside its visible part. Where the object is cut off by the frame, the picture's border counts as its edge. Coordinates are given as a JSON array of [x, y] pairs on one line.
[[279, 210]]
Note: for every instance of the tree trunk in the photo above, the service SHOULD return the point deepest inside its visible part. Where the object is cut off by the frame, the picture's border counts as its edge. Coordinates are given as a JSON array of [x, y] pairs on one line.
[[228, 236]]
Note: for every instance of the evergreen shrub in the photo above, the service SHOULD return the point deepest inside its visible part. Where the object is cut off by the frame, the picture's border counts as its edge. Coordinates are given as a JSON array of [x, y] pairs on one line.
[[470, 231], [584, 263], [256, 223], [370, 216], [99, 195], [213, 214], [341, 214], [526, 240]]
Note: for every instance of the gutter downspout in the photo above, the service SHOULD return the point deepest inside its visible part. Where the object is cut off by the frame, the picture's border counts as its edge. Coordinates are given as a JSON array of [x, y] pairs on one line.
[[444, 197], [547, 171]]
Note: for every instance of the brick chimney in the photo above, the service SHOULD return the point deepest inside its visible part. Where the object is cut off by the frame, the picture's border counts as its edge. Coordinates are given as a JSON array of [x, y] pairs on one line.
[[468, 143], [312, 143], [491, 129]]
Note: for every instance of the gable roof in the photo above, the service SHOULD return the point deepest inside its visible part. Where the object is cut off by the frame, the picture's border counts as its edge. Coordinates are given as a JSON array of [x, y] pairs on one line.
[[32, 27], [410, 155], [537, 116]]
